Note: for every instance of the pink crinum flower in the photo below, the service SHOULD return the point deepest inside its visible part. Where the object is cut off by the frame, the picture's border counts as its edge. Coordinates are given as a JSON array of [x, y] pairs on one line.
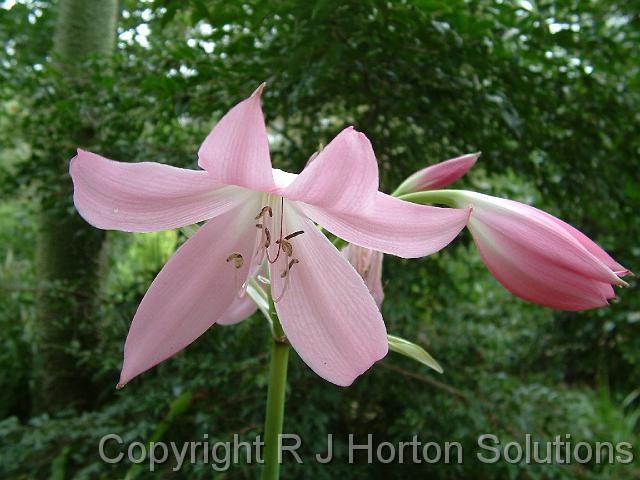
[[533, 254], [256, 213]]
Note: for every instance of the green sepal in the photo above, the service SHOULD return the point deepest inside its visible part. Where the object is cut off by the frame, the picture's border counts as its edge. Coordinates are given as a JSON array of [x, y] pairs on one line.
[[413, 351]]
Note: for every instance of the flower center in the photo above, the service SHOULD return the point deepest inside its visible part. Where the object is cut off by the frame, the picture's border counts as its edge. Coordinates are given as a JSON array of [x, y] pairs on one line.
[[284, 241]]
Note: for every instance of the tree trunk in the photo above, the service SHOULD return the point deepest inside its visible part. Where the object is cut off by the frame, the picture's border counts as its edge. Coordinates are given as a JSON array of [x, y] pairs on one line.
[[69, 249]]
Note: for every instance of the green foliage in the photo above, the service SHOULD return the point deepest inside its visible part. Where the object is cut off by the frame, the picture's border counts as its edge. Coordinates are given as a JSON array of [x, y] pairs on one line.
[[547, 90]]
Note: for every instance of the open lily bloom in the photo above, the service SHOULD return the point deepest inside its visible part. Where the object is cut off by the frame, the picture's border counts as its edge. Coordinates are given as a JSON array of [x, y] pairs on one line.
[[367, 262], [537, 256], [255, 213]]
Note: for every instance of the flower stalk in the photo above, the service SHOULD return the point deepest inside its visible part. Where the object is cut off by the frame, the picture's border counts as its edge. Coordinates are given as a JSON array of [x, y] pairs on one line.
[[275, 397], [441, 197]]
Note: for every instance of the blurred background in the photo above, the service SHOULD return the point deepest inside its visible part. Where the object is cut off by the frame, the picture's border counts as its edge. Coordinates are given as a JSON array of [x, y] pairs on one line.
[[547, 90]]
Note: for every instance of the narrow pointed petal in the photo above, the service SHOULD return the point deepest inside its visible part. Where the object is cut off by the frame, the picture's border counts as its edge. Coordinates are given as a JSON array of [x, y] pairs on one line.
[[326, 311], [439, 175], [342, 178], [531, 276], [236, 152], [146, 197], [241, 308], [194, 289], [394, 226]]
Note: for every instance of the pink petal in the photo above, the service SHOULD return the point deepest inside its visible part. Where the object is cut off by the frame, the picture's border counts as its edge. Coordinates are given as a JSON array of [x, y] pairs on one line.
[[439, 175], [146, 197], [236, 152], [193, 290], [241, 308], [342, 178], [587, 243], [283, 179], [327, 312], [530, 275], [368, 264], [395, 226]]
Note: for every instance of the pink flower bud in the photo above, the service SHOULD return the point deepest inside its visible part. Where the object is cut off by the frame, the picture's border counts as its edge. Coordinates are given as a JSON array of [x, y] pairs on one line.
[[537, 256], [439, 175]]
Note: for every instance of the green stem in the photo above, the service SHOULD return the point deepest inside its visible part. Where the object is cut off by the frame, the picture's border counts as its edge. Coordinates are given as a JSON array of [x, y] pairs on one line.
[[443, 197], [275, 397]]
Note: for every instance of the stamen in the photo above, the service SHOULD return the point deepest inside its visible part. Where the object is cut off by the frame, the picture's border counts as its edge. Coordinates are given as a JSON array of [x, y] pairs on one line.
[[279, 236], [294, 234], [284, 289], [267, 233], [261, 226], [287, 248], [238, 262], [292, 262], [266, 208], [287, 278], [237, 259]]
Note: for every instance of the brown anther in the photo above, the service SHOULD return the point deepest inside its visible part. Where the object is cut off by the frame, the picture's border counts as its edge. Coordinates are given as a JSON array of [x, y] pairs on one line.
[[267, 234], [266, 208], [258, 225], [237, 259], [287, 248], [292, 262], [294, 234]]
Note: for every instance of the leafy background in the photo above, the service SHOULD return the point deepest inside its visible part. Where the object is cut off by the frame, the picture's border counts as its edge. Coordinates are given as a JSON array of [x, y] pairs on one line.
[[548, 90]]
